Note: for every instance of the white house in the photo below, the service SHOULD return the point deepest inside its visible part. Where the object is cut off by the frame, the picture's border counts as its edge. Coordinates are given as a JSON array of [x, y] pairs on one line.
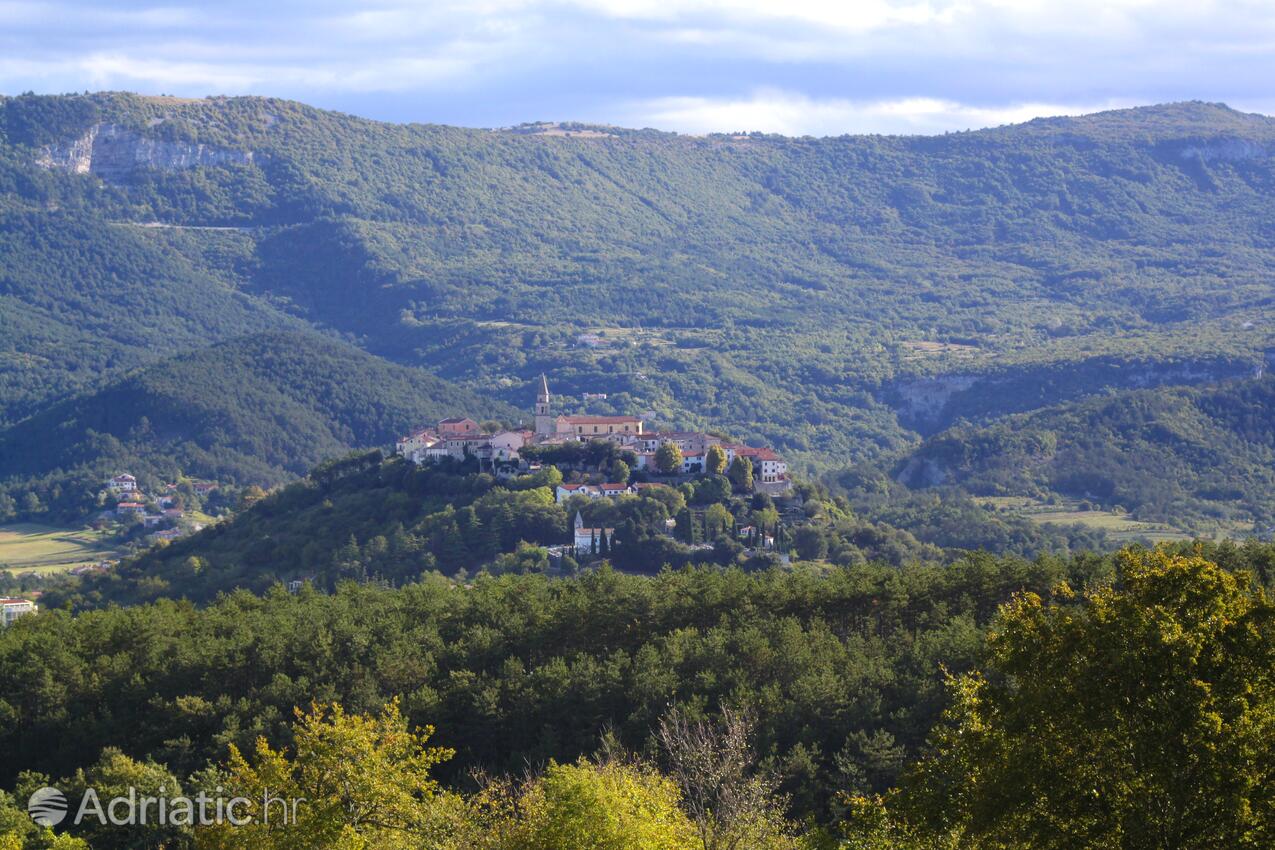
[[589, 540], [593, 491], [768, 467], [414, 444], [12, 609], [122, 484], [506, 444]]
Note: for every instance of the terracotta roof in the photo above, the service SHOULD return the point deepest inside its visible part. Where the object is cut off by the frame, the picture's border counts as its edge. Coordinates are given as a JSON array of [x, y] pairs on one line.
[[601, 420], [761, 453]]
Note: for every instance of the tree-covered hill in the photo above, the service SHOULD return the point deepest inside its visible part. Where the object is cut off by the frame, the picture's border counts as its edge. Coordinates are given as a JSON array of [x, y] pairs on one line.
[[257, 409], [1187, 455], [1137, 237]]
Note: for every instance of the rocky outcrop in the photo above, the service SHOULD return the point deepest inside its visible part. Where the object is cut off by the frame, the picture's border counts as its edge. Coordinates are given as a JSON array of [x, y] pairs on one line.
[[1225, 150], [924, 399], [113, 152], [930, 404]]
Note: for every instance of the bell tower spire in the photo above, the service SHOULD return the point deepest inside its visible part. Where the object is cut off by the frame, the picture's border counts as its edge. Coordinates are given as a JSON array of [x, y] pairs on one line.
[[544, 409]]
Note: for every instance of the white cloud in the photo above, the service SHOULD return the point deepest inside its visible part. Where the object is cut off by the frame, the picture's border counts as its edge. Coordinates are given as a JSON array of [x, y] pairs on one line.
[[795, 114], [791, 66]]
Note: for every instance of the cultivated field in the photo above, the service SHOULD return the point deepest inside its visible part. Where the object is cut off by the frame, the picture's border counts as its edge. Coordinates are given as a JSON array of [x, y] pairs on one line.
[[30, 547], [1120, 526]]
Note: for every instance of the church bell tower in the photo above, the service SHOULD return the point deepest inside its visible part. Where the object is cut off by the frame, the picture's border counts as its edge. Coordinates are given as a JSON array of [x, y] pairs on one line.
[[545, 425]]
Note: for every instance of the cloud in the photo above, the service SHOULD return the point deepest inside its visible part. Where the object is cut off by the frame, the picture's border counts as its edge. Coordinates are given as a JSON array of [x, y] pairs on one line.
[[793, 66], [795, 114]]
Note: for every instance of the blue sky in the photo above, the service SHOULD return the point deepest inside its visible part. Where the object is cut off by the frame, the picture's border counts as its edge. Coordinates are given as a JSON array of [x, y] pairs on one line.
[[788, 66]]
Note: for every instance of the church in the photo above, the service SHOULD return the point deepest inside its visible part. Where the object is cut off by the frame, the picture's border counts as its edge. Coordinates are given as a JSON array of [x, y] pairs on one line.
[[549, 426]]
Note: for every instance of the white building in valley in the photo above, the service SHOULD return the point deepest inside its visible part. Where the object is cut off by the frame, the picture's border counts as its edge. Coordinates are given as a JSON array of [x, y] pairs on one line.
[[12, 609]]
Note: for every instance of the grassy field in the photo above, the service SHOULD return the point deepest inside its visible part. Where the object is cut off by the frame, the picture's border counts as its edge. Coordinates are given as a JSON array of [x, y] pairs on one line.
[[1120, 526], [29, 547]]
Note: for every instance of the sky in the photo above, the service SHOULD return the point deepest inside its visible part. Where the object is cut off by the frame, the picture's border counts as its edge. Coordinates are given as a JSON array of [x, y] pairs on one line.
[[797, 67]]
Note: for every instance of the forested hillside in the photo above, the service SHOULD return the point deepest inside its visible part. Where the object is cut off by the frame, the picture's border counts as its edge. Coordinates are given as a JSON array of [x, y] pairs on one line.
[[1138, 238], [859, 680], [368, 519], [255, 410], [1190, 455]]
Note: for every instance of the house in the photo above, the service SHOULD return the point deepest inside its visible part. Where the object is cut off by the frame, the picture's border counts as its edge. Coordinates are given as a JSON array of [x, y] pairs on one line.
[[686, 441], [589, 541], [122, 484], [203, 488], [566, 491], [169, 534], [126, 508], [692, 462], [457, 426], [612, 491], [768, 467], [11, 609], [297, 584], [415, 443], [593, 491], [505, 444]]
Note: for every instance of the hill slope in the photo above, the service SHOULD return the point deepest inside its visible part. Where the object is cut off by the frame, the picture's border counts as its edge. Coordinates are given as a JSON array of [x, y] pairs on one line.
[[1185, 455], [1140, 236], [258, 409]]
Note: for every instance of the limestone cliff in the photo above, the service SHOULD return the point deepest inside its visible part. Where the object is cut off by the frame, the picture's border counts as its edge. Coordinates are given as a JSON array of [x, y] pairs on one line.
[[113, 152]]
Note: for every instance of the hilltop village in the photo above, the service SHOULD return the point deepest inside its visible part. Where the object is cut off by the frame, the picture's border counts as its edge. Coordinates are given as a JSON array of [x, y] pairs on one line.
[[660, 454], [646, 460]]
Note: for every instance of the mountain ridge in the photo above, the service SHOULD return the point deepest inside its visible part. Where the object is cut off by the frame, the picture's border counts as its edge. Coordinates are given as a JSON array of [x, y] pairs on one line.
[[487, 257]]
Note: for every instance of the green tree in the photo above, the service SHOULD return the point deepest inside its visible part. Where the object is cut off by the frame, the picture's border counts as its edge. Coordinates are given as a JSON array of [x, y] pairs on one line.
[[741, 474], [620, 472], [717, 521], [684, 530], [715, 461], [811, 543], [1137, 715], [613, 806], [365, 780], [668, 458]]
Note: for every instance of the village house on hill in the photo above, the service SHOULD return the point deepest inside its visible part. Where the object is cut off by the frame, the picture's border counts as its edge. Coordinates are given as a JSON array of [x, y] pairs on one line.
[[461, 438]]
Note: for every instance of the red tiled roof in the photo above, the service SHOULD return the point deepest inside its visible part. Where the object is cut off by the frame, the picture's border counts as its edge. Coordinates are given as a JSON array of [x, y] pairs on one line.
[[601, 420]]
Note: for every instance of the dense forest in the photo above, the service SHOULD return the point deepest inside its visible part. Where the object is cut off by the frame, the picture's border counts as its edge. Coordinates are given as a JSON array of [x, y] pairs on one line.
[[1199, 455], [919, 684], [255, 410], [1067, 253]]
